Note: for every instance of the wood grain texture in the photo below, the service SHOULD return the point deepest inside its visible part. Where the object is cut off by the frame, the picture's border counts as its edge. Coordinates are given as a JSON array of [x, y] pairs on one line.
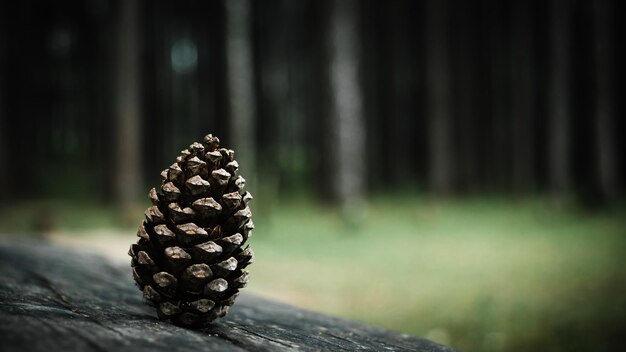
[[56, 299]]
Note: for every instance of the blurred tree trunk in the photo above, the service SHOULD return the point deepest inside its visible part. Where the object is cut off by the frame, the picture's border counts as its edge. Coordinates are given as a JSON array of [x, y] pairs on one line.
[[499, 98], [240, 82], [466, 90], [152, 86], [522, 104], [439, 98], [604, 109], [398, 93], [274, 93], [4, 169], [347, 124], [559, 148], [99, 129], [206, 75], [127, 105], [376, 99]]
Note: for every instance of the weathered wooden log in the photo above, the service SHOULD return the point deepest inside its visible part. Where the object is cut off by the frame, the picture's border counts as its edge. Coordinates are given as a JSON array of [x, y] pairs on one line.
[[57, 299]]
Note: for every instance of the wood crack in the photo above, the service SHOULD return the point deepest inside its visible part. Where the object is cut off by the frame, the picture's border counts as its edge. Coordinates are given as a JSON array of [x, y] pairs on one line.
[[342, 339], [231, 340], [48, 284], [64, 301], [279, 342], [77, 333]]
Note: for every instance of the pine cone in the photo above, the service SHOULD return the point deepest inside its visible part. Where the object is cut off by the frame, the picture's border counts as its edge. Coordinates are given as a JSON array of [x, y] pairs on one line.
[[189, 261]]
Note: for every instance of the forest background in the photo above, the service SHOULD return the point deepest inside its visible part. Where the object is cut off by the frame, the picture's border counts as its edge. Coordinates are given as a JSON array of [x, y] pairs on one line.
[[449, 169]]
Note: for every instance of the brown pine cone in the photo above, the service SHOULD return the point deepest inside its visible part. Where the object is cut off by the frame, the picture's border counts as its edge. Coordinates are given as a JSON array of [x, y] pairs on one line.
[[189, 261]]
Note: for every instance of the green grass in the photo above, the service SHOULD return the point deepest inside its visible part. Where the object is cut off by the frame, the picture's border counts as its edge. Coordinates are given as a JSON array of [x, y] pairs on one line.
[[481, 274], [42, 216]]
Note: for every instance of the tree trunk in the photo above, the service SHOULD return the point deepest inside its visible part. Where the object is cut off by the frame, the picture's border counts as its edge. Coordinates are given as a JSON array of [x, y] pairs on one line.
[[347, 126], [522, 103], [467, 87], [559, 101], [439, 98], [4, 179], [604, 109], [127, 106], [398, 93], [499, 155], [274, 94], [240, 82]]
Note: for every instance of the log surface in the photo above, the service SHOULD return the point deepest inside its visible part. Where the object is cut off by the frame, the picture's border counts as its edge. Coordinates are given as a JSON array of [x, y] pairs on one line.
[[57, 299]]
